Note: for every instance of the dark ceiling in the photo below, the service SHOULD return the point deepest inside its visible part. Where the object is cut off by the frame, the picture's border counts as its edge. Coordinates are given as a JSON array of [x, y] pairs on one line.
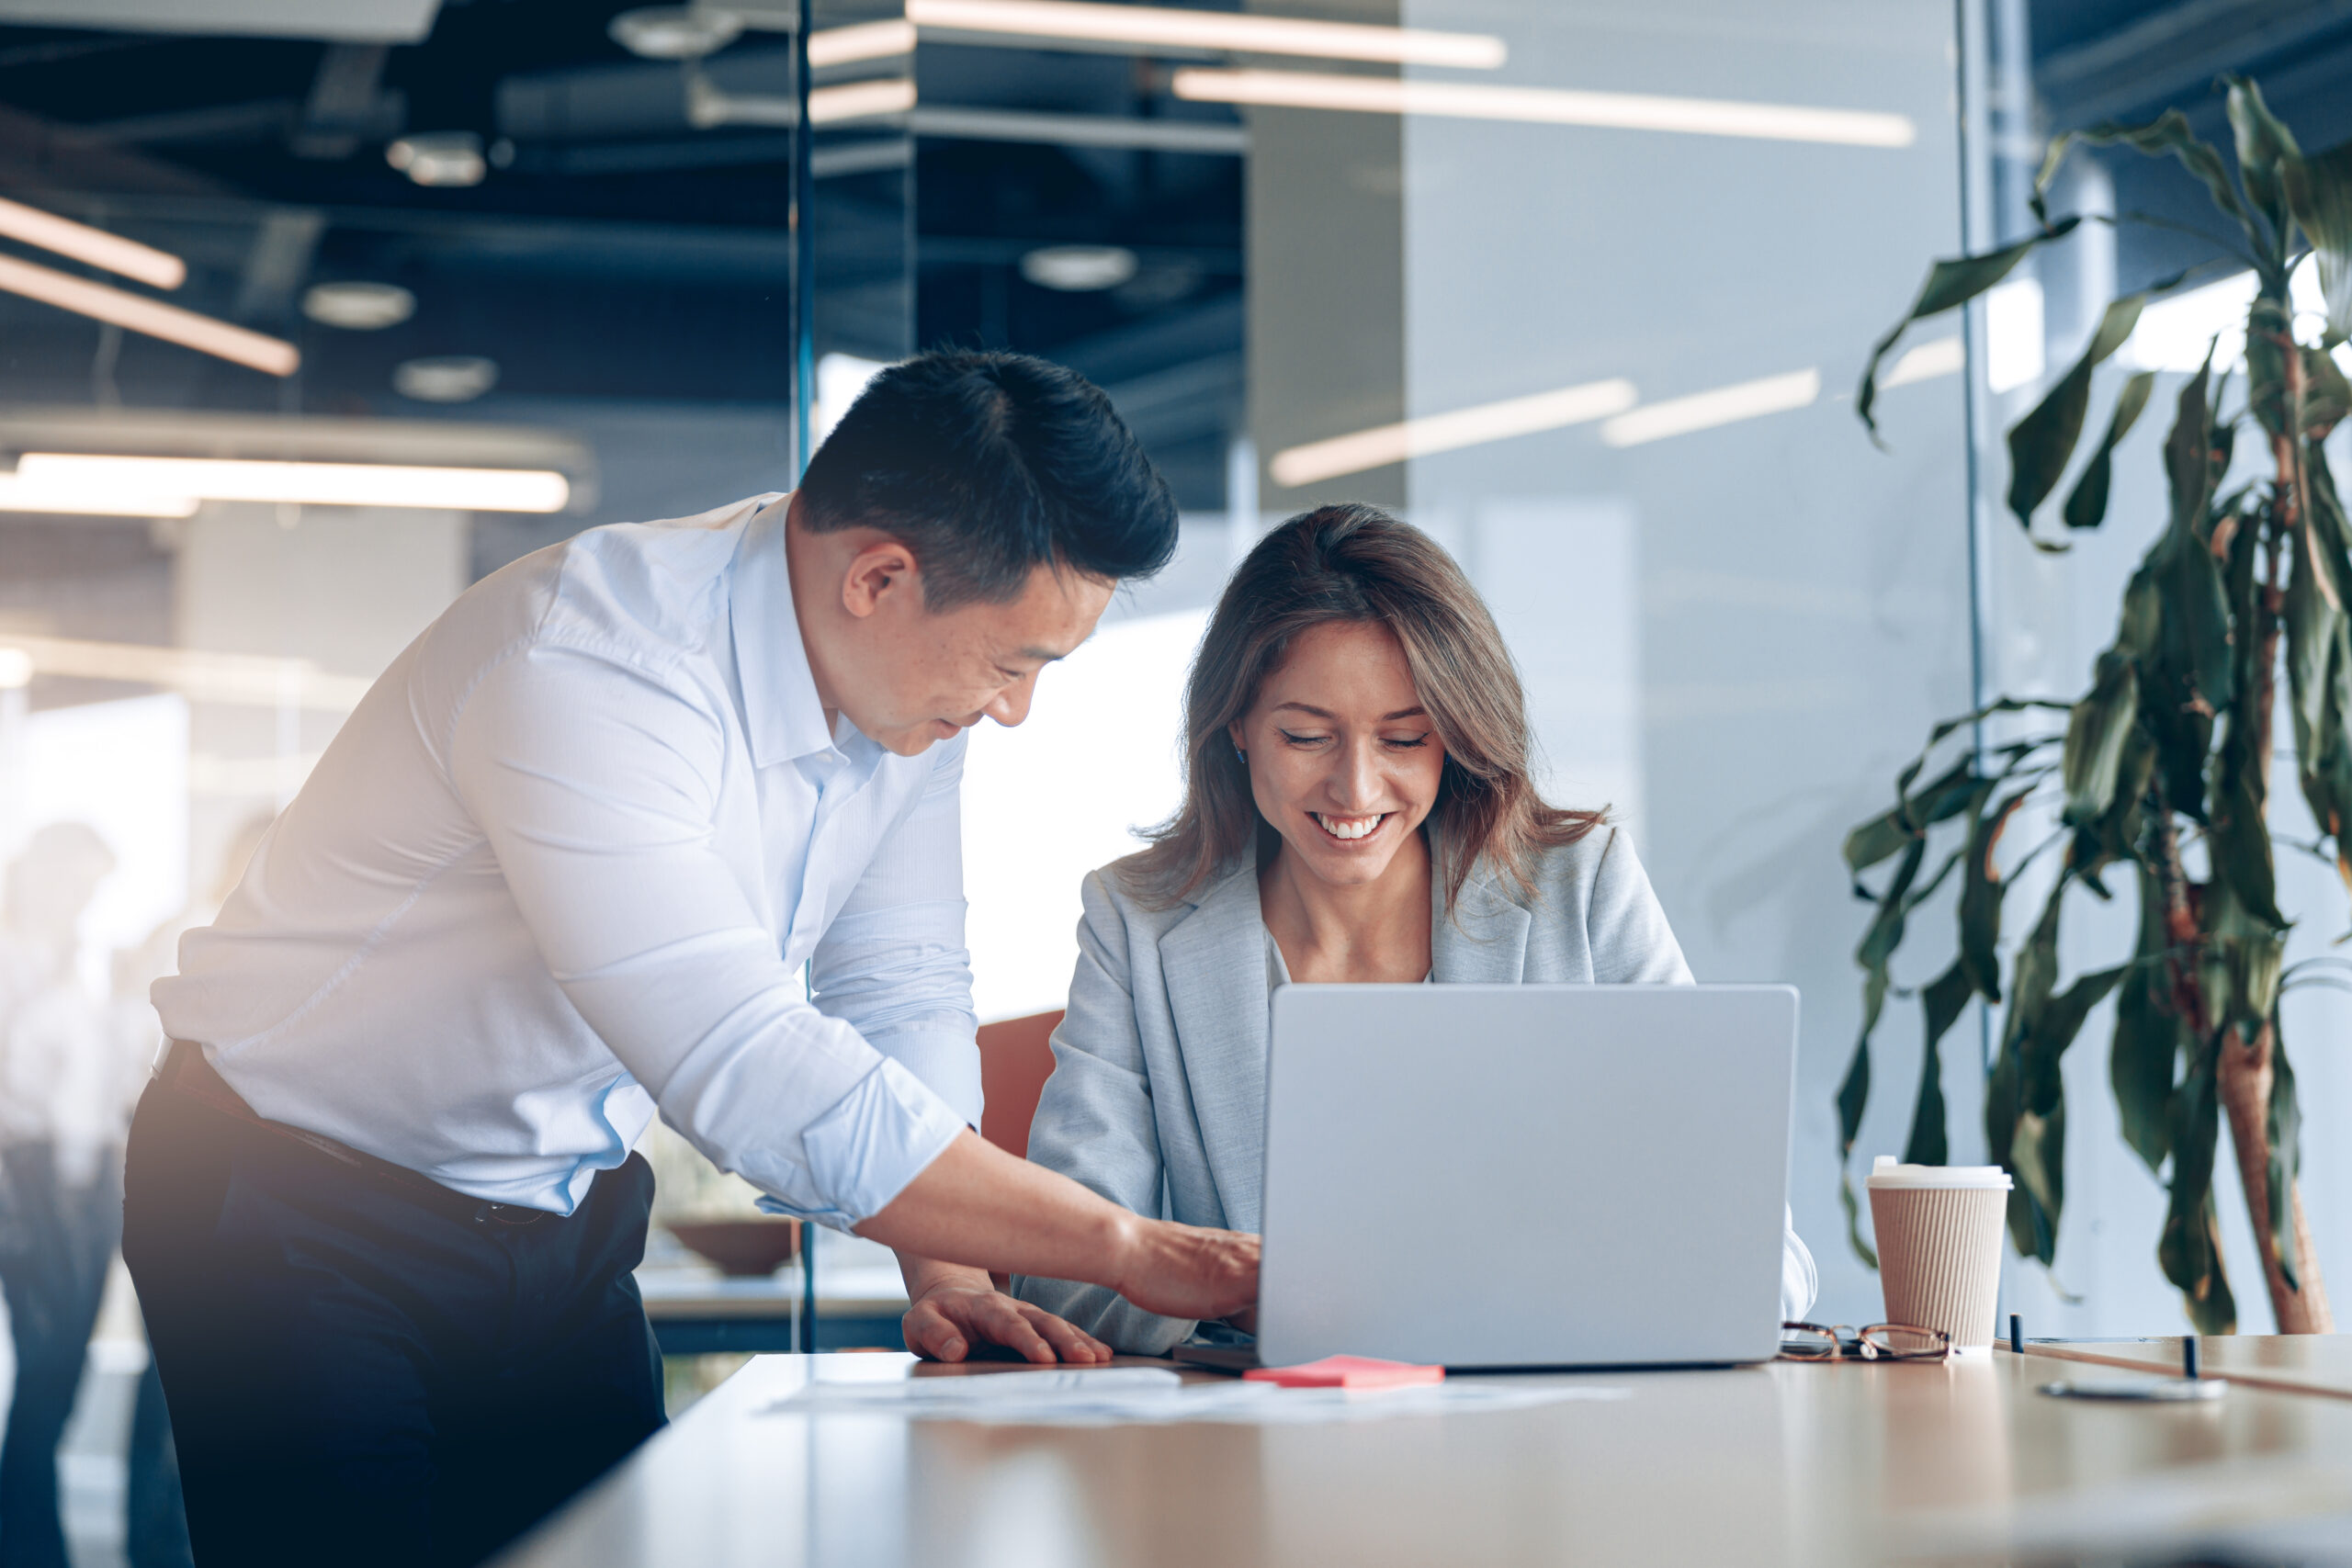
[[614, 251]]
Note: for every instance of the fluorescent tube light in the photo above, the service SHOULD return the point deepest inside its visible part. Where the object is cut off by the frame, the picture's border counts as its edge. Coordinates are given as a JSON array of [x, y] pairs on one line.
[[160, 269], [866, 40], [1386, 444], [709, 107], [20, 494], [1549, 106], [860, 100], [301, 484], [1705, 410], [1150, 26], [1944, 356], [253, 680], [152, 316]]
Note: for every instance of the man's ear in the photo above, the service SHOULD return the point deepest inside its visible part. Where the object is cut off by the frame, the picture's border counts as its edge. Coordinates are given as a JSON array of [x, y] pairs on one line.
[[883, 570]]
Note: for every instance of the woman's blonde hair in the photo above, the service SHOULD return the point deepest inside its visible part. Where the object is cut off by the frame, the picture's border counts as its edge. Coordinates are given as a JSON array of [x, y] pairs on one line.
[[1358, 564]]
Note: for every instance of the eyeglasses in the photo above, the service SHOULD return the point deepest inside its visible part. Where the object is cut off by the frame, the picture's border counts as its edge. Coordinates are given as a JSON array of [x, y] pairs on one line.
[[1876, 1342]]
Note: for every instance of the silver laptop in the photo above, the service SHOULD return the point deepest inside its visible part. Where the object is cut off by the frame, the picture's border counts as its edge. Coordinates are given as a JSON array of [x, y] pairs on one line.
[[1517, 1175]]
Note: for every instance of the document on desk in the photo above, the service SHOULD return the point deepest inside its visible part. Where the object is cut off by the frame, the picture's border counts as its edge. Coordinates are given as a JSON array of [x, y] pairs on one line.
[[1118, 1396]]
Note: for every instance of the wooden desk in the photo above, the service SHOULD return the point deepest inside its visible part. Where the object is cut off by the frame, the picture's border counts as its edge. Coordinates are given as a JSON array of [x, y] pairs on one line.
[[2318, 1364], [1810, 1466]]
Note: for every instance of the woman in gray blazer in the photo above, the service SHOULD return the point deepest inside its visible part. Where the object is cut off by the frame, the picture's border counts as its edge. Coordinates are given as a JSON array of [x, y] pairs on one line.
[[1358, 808]]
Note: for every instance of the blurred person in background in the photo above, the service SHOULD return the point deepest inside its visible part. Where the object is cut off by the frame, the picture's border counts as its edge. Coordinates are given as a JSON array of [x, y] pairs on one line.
[[65, 1091]]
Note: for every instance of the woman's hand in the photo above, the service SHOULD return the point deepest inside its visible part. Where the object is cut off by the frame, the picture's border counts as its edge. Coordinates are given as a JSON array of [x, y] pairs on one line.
[[955, 1310]]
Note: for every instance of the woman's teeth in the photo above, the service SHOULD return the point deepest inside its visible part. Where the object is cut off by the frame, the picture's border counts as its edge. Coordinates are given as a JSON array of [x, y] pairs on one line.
[[1348, 826]]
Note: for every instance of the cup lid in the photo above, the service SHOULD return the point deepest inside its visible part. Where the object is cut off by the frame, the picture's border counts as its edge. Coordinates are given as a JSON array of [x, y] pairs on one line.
[[1886, 1171]]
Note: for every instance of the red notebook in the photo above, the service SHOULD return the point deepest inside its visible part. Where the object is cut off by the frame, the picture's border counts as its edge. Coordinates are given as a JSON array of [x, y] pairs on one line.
[[1348, 1372]]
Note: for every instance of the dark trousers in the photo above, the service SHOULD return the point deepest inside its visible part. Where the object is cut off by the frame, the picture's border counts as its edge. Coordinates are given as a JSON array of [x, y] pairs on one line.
[[359, 1376], [55, 1244]]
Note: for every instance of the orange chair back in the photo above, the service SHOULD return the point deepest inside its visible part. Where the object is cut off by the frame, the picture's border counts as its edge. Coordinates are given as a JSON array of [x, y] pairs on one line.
[[1016, 1058]]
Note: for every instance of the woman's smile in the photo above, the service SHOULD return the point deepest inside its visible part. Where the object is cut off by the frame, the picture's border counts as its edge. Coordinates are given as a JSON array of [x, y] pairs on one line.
[[1350, 829]]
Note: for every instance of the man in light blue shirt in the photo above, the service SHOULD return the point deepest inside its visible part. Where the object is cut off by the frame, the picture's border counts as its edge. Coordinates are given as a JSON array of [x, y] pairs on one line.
[[662, 820]]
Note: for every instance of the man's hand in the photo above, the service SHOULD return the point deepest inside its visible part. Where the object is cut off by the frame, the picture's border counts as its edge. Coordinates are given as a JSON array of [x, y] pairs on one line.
[[956, 1309], [1187, 1271], [977, 1205]]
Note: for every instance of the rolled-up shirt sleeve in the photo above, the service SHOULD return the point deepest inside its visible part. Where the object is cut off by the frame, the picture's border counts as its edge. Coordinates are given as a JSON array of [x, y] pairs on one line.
[[893, 964], [594, 780]]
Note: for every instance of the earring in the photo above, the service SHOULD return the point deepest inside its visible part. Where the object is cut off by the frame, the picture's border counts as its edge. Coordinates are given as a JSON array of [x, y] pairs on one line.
[[1239, 755]]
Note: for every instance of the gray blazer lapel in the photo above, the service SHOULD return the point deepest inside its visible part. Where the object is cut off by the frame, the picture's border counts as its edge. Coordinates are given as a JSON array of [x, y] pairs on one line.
[[1215, 962], [1485, 940]]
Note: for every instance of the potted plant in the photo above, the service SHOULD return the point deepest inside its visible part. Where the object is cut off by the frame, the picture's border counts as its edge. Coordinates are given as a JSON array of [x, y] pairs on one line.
[[2159, 780]]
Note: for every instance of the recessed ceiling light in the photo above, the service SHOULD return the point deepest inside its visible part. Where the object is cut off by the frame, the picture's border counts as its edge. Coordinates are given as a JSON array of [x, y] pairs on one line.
[[1079, 269], [439, 158], [674, 32], [1161, 284], [445, 379], [358, 307]]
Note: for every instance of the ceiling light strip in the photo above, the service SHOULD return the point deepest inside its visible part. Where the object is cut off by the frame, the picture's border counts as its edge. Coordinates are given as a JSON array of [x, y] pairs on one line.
[[1150, 26], [1386, 444], [1547, 106], [860, 100], [301, 484], [866, 40], [152, 316], [159, 269], [251, 679], [1705, 410], [1939, 356], [20, 494]]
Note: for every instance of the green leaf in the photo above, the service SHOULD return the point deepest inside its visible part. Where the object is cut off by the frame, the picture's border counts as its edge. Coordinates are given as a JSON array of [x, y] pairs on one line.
[[1950, 282], [1980, 892], [2147, 1049], [2041, 443], [2327, 395], [2060, 1024], [2285, 1120], [2001, 1112], [2319, 192], [1942, 1001], [2197, 622], [2087, 502], [1853, 1098], [2017, 1105], [2189, 1249], [2188, 449], [2319, 663], [2168, 133], [1947, 797], [2096, 732], [2262, 144]]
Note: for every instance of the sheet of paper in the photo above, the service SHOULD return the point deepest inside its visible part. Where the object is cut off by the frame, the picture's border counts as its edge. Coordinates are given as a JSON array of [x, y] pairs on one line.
[[1114, 1396]]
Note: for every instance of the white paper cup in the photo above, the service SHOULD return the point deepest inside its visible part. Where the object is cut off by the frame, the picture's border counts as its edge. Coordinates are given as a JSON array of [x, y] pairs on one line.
[[1939, 1245]]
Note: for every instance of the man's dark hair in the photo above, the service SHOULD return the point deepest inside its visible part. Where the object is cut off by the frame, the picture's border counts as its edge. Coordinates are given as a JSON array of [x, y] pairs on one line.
[[988, 466]]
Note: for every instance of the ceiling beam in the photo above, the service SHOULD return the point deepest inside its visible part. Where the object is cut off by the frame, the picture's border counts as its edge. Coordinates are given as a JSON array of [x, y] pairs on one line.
[[2178, 50]]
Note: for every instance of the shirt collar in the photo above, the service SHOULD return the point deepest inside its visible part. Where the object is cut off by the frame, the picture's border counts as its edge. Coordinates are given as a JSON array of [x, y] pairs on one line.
[[782, 715]]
